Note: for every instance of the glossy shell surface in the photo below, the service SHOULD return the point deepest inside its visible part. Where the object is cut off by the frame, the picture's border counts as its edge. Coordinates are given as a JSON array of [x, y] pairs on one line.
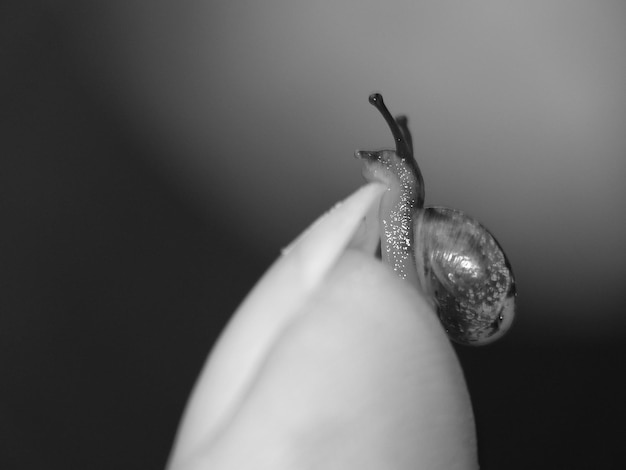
[[463, 269]]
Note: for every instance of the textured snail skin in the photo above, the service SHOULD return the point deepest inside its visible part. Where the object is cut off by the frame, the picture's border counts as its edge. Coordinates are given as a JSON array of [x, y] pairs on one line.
[[398, 207], [451, 257]]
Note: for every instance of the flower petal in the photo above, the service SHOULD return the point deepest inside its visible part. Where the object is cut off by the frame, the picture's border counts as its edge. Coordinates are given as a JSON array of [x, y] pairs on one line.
[[271, 304]]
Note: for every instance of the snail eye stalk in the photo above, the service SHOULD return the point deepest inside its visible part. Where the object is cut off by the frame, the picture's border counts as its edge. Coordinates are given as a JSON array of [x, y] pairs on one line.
[[400, 131], [403, 123]]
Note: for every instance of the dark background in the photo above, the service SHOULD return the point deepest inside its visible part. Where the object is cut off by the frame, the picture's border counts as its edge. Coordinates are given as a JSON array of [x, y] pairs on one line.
[[151, 154]]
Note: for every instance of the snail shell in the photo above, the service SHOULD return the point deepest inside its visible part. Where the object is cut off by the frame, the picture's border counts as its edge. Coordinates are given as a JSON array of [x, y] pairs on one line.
[[450, 256]]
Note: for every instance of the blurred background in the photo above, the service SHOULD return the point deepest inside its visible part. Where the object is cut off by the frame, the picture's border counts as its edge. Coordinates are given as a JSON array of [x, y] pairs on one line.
[[155, 157]]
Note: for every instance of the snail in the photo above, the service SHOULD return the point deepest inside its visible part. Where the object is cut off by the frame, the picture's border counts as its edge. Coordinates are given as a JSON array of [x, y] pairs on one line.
[[451, 257]]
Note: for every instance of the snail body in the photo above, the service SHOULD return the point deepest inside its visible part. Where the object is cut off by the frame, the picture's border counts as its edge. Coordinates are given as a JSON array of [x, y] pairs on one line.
[[453, 259]]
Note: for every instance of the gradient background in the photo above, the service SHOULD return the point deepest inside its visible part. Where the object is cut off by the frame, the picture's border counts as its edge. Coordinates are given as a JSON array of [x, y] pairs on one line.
[[157, 155]]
